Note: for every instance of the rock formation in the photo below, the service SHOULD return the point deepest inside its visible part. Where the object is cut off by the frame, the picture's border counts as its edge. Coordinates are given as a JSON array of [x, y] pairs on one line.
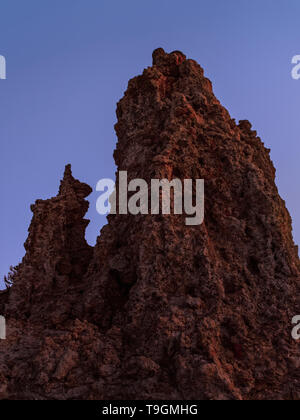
[[158, 309]]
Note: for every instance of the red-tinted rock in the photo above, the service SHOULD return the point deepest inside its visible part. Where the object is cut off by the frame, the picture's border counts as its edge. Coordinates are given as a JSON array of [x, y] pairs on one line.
[[57, 256], [162, 310]]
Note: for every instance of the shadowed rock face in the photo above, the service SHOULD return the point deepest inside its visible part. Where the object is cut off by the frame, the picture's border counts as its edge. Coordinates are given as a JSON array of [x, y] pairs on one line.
[[57, 256], [158, 309]]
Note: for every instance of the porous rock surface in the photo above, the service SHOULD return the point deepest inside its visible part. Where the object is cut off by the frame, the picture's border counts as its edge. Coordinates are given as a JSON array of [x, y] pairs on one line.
[[158, 309]]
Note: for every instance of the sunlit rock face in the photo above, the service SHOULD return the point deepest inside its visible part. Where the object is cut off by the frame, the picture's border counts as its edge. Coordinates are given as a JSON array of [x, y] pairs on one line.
[[158, 309]]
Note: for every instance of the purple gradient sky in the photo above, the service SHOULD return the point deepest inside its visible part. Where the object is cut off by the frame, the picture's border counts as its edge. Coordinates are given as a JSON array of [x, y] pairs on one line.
[[69, 61]]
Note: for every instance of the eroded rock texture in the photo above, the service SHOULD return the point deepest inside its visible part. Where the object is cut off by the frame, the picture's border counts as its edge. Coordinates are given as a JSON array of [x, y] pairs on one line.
[[158, 309]]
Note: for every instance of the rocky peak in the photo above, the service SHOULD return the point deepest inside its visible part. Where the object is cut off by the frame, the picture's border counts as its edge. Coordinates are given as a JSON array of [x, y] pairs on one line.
[[69, 185], [158, 309], [163, 60], [57, 254]]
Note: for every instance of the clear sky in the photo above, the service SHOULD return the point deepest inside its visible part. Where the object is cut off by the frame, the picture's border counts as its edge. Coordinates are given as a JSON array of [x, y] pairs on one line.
[[69, 62]]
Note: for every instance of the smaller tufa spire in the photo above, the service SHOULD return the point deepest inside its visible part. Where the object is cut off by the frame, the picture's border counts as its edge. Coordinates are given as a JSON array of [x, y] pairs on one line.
[[57, 254], [68, 171], [70, 184]]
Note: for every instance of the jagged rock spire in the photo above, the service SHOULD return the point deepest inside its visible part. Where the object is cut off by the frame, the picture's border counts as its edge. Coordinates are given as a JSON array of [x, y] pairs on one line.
[[70, 184], [57, 254], [211, 304], [161, 310]]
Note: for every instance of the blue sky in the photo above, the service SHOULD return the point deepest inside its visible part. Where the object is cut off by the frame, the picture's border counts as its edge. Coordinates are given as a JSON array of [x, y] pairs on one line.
[[69, 62]]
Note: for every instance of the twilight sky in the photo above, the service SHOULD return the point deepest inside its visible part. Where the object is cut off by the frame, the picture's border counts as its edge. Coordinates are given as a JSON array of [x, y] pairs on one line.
[[69, 62]]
